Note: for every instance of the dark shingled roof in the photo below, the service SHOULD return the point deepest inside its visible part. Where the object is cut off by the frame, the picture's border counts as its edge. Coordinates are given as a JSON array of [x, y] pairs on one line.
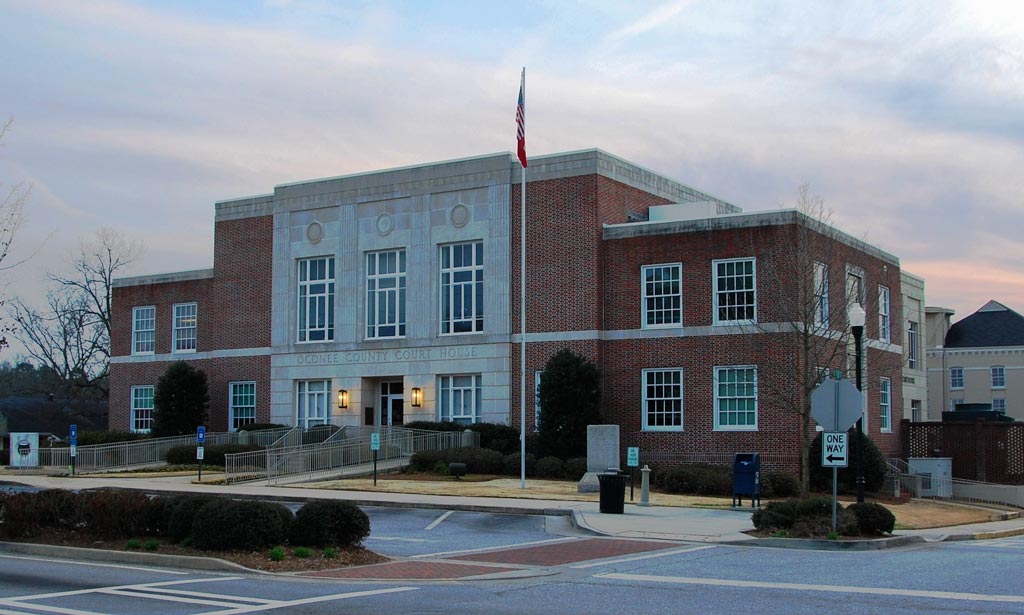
[[992, 325], [44, 415]]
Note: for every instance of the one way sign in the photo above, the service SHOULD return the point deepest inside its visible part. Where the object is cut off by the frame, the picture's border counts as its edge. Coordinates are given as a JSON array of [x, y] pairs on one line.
[[834, 452]]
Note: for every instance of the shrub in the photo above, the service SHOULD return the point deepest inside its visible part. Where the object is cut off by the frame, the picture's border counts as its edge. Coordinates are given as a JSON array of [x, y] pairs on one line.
[[477, 460], [513, 467], [330, 553], [55, 508], [814, 507], [87, 438], [874, 467], [260, 426], [779, 484], [237, 524], [778, 515], [213, 455], [574, 468], [550, 467], [117, 513], [133, 545], [441, 468], [302, 552], [181, 400], [699, 479], [151, 545], [873, 519], [497, 437], [570, 398], [183, 514], [329, 523], [277, 554]]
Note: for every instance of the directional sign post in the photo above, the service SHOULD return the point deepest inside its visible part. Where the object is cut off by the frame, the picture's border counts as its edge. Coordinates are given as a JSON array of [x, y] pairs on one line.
[[632, 462], [200, 441], [74, 446], [836, 405], [834, 450], [375, 446]]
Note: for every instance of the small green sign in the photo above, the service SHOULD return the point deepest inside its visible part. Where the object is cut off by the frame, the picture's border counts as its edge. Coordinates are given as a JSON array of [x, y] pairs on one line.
[[633, 456], [375, 442]]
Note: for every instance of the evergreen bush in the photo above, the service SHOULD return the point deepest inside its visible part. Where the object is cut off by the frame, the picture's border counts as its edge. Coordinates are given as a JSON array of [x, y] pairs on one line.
[[334, 523], [874, 467], [183, 514], [237, 524], [574, 468], [779, 484], [873, 519], [550, 467]]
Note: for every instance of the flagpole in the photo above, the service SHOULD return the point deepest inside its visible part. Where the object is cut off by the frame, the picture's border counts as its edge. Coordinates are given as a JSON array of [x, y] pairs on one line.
[[522, 304]]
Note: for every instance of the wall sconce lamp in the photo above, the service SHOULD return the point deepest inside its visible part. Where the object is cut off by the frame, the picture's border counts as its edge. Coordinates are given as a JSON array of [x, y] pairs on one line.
[[342, 398], [417, 397]]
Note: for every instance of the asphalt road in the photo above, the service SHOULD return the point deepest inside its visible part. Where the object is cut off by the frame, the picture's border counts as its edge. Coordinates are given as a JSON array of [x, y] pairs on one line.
[[705, 579]]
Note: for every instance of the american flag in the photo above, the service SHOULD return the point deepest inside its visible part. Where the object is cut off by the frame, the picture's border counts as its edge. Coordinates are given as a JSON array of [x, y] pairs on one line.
[[521, 122]]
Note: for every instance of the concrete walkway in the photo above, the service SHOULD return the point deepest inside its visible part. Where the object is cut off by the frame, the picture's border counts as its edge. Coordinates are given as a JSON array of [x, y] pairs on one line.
[[655, 522]]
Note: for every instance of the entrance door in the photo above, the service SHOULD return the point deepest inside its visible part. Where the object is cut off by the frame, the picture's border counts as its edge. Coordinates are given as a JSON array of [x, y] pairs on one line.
[[391, 403]]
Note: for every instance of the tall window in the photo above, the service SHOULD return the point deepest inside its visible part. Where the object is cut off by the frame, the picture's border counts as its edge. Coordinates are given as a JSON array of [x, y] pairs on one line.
[[662, 295], [142, 409], [385, 294], [143, 329], [956, 377], [915, 410], [999, 404], [735, 291], [663, 400], [242, 404], [821, 294], [184, 327], [461, 398], [311, 403], [885, 404], [736, 398], [883, 314], [998, 377], [462, 287], [316, 299], [912, 345]]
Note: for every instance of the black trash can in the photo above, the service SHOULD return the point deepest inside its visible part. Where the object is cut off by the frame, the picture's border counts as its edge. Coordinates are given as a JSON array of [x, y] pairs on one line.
[[613, 491]]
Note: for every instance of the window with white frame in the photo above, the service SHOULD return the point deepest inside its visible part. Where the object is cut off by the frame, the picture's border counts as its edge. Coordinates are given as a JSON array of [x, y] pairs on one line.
[[241, 404], [536, 398], [821, 295], [462, 288], [312, 407], [953, 403], [883, 314], [185, 317], [316, 299], [885, 404], [956, 377], [143, 329], [385, 294], [854, 288], [999, 404], [736, 398], [142, 409], [460, 398], [915, 410], [663, 399], [912, 345], [735, 294], [662, 295], [998, 377]]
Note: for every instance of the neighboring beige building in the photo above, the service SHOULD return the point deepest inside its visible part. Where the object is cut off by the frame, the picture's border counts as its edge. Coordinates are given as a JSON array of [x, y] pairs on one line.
[[915, 369], [977, 360]]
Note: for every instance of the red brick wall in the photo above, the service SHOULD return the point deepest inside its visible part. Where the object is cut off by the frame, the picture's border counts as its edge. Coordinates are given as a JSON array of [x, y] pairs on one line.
[[243, 256], [163, 297]]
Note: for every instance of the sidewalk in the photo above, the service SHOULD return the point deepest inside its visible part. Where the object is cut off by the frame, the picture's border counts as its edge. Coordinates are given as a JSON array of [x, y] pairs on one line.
[[655, 522]]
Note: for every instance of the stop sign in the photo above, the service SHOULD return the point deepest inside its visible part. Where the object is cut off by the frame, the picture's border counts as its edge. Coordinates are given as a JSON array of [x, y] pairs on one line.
[[836, 404]]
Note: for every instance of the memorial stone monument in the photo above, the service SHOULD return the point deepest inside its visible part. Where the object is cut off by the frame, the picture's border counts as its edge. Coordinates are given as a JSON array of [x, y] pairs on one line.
[[602, 454]]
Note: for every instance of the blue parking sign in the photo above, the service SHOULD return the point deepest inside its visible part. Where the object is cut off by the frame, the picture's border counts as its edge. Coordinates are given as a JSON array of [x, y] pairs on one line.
[[201, 434], [74, 434]]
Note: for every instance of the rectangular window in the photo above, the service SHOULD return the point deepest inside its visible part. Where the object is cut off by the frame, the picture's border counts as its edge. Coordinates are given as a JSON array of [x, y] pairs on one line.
[[461, 398], [883, 314], [663, 400], [241, 404], [821, 295], [912, 345], [662, 295], [143, 329], [311, 403], [915, 410], [998, 377], [536, 399], [385, 294], [736, 398], [735, 293], [885, 405], [999, 404], [956, 377], [185, 316], [462, 288], [142, 409], [316, 299], [953, 403]]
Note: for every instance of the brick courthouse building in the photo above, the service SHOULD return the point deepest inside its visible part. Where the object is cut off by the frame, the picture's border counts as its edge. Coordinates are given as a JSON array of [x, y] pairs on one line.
[[392, 296]]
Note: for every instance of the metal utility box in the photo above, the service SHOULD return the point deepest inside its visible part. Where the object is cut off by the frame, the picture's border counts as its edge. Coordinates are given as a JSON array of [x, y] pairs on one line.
[[746, 478], [936, 475]]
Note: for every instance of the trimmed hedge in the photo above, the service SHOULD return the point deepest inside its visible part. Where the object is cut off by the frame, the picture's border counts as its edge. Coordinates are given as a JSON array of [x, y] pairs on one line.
[[495, 436], [873, 519], [260, 426], [87, 438], [698, 479], [477, 460], [550, 467], [779, 484], [183, 513], [574, 468], [512, 466], [333, 523], [213, 455], [812, 517], [238, 524]]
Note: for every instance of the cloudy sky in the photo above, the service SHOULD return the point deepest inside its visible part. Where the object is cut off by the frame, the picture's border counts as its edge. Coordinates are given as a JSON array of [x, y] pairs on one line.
[[907, 118]]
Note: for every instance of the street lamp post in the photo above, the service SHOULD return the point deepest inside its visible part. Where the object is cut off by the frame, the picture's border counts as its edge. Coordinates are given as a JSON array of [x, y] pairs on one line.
[[857, 318]]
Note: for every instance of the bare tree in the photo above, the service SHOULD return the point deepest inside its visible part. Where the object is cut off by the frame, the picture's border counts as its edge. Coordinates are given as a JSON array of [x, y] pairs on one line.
[[72, 335], [12, 204]]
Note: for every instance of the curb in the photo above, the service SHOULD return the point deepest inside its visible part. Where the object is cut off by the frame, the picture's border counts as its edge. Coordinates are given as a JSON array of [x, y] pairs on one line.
[[104, 555]]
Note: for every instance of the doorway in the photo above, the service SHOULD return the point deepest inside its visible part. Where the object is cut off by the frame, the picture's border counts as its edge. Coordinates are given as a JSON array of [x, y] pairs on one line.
[[391, 407]]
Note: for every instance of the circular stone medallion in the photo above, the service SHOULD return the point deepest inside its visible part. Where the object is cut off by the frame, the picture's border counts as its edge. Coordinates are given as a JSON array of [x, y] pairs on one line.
[[314, 232], [460, 215], [385, 224]]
